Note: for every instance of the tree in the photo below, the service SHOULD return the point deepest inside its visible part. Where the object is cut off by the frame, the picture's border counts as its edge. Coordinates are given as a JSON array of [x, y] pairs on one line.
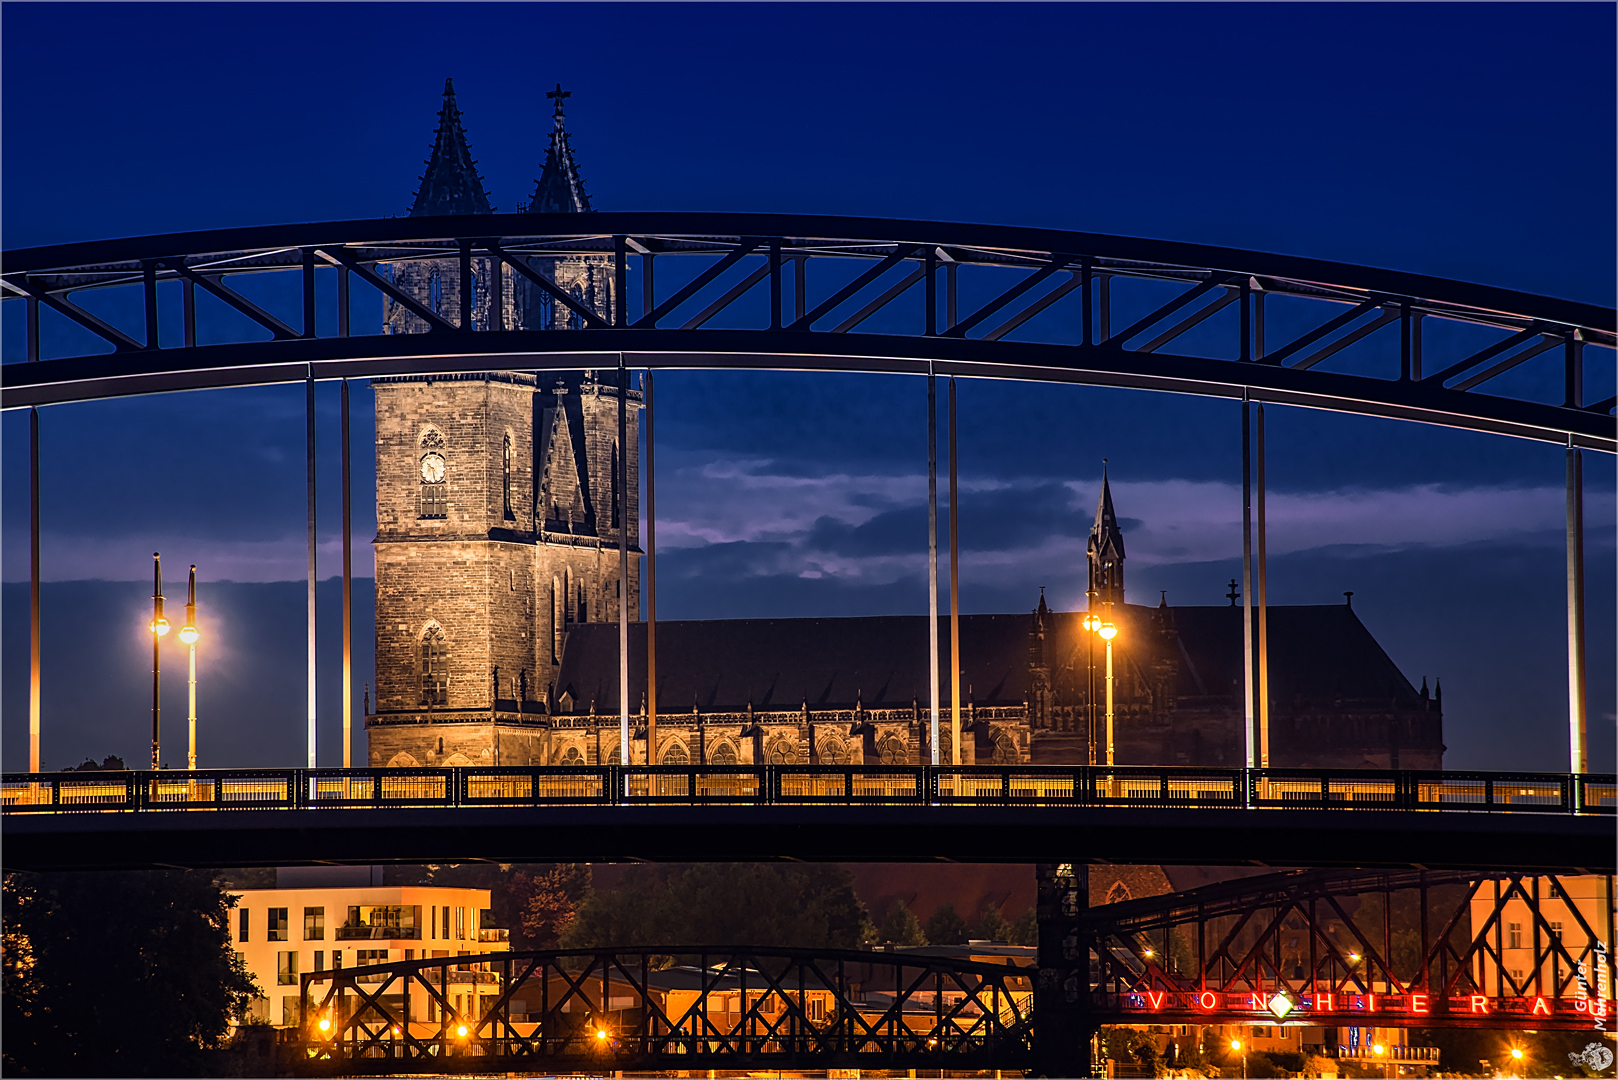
[[547, 904], [117, 974], [991, 926], [725, 904], [1025, 931], [901, 927], [945, 927]]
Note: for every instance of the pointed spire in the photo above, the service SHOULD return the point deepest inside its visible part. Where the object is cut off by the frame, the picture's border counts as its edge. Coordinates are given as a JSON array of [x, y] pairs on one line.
[[559, 189], [451, 184], [1105, 531]]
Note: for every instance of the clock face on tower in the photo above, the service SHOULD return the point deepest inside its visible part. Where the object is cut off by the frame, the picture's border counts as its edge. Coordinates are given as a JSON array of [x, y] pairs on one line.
[[432, 469]]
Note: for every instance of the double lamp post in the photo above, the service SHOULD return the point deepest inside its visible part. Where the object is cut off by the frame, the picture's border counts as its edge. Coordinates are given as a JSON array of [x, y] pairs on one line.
[[188, 633]]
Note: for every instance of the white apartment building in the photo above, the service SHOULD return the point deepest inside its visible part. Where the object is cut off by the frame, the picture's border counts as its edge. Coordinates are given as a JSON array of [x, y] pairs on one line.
[[307, 925]]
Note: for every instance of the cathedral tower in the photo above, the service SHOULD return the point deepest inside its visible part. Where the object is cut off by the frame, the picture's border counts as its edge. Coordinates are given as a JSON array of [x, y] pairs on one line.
[[497, 510], [1106, 552]]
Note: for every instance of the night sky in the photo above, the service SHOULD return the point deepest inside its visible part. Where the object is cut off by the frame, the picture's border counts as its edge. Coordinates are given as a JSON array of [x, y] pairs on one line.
[[1466, 141]]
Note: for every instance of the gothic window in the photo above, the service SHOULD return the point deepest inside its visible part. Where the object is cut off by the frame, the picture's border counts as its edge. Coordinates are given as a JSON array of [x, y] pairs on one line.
[[434, 477], [892, 750], [505, 480], [723, 754], [833, 751], [675, 754], [615, 758], [1005, 750], [783, 750], [572, 757], [617, 492], [434, 668], [1119, 893]]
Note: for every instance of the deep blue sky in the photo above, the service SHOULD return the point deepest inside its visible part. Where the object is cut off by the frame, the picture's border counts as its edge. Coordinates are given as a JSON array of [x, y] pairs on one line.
[[1466, 141]]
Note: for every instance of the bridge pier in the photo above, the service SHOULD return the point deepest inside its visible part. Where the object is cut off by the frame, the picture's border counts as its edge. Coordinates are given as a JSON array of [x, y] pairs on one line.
[[1063, 1025]]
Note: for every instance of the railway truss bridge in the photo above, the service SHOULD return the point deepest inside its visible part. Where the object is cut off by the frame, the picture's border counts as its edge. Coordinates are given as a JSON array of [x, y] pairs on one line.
[[1326, 949]]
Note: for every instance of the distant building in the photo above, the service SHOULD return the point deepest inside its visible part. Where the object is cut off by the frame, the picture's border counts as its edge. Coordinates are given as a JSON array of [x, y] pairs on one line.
[[314, 925], [498, 593]]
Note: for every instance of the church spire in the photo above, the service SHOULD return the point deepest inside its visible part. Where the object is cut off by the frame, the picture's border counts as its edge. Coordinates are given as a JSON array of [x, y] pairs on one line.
[[560, 189], [1106, 549], [451, 184]]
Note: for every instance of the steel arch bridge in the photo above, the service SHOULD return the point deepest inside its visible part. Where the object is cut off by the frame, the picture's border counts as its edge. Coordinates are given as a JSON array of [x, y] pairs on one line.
[[951, 299]]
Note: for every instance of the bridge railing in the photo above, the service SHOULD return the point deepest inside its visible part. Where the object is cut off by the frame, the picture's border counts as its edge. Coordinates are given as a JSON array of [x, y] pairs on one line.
[[810, 785]]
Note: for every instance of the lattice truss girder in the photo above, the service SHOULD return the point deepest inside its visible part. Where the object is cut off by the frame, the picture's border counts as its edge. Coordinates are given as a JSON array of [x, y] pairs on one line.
[[608, 1009], [1352, 932], [854, 280]]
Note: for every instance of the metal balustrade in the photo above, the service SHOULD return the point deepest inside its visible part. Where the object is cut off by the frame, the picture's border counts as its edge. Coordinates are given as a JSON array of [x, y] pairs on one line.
[[810, 785]]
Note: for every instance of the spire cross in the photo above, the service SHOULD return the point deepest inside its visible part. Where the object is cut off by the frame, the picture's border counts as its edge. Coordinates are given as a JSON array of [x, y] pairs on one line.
[[1234, 594], [558, 95]]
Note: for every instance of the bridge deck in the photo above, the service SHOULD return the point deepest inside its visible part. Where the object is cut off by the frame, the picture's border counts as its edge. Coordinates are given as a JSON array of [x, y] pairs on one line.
[[1548, 822]]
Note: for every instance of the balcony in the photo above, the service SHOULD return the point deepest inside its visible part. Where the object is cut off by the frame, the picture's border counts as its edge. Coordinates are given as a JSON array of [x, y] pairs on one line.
[[491, 934], [379, 933]]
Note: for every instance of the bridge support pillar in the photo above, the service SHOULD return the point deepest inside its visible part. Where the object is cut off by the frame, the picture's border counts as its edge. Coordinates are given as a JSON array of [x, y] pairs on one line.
[[1063, 1024]]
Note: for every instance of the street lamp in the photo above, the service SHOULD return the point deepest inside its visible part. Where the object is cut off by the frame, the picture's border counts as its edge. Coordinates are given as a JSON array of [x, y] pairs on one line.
[[189, 635], [1236, 1048], [159, 626]]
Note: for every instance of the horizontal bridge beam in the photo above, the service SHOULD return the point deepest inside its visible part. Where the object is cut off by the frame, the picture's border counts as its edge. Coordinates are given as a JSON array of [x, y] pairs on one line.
[[49, 382], [1529, 843]]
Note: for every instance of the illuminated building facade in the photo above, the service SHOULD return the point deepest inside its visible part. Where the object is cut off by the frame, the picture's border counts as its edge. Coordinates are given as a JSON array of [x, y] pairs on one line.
[[283, 933]]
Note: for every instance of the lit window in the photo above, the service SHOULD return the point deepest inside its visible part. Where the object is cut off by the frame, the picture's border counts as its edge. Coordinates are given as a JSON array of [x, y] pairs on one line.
[[286, 968], [277, 924]]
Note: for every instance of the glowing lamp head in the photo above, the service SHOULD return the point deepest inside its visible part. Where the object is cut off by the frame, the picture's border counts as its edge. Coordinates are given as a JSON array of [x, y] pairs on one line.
[[1147, 953], [1516, 1053], [188, 634], [325, 1023], [1108, 631], [1091, 623], [601, 1035], [1379, 1049], [396, 1029], [159, 626], [1235, 1044], [1354, 956], [461, 1031]]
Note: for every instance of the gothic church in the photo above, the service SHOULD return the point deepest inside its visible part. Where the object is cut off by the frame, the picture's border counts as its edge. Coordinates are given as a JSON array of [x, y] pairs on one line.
[[498, 590]]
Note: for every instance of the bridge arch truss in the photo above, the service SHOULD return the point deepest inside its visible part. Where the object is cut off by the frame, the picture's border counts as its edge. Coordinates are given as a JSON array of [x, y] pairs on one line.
[[808, 293]]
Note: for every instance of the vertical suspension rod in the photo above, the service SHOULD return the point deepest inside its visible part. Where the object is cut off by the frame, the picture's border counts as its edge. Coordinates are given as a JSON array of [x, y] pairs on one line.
[[1263, 606], [954, 593], [33, 588], [651, 582], [1247, 577], [932, 556], [1578, 749], [309, 454], [348, 594], [623, 562]]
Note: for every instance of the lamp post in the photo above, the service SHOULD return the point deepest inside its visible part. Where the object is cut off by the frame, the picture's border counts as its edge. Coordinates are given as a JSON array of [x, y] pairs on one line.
[[159, 626], [189, 635], [1091, 624], [1236, 1048], [1108, 632]]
